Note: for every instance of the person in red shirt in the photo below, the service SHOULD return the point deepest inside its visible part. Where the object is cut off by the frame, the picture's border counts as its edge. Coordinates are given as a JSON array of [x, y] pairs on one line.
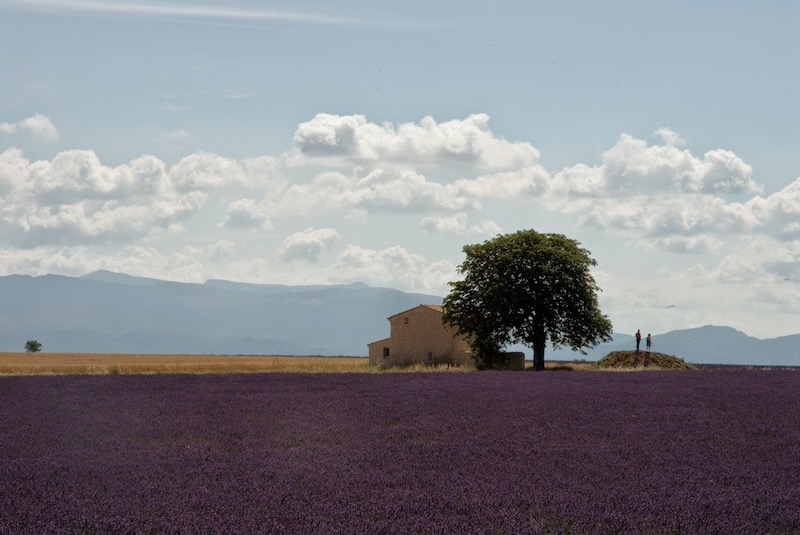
[[638, 339]]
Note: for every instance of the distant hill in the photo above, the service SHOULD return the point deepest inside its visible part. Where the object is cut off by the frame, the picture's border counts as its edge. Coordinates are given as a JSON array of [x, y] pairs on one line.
[[116, 313], [112, 312]]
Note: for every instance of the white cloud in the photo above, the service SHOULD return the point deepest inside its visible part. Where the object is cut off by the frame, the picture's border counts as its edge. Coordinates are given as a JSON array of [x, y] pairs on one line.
[[203, 170], [633, 167], [678, 223], [780, 212], [74, 198], [663, 197], [753, 287], [404, 191], [37, 125], [79, 260], [307, 244], [526, 181], [396, 191], [394, 267], [764, 272], [684, 244], [13, 171], [221, 249], [669, 137], [179, 10], [352, 140], [247, 213], [457, 224], [73, 214]]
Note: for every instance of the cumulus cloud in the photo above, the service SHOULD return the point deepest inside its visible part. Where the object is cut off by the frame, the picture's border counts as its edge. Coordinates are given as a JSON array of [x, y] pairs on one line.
[[221, 249], [780, 212], [307, 244], [679, 223], [75, 198], [633, 167], [457, 224], [405, 191], [661, 195], [38, 126], [247, 213], [393, 267], [437, 181], [702, 243], [207, 171], [765, 273], [379, 191], [526, 181], [352, 140]]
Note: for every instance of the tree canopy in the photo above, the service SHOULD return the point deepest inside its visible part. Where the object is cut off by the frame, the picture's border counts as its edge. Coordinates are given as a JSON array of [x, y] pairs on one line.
[[526, 287]]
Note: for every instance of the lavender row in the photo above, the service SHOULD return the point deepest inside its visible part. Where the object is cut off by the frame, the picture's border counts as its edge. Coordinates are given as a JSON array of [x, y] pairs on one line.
[[484, 452]]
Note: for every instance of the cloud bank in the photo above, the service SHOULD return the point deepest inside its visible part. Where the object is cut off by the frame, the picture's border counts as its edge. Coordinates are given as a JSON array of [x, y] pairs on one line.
[[418, 191]]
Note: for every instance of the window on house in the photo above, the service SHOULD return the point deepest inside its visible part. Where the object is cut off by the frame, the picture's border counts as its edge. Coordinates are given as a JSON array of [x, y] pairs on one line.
[[430, 356], [385, 352], [405, 320]]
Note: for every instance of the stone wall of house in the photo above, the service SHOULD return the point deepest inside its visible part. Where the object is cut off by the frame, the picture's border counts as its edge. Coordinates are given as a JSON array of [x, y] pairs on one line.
[[377, 350], [418, 336]]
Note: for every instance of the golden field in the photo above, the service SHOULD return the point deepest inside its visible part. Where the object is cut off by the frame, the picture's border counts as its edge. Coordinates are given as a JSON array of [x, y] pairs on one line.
[[22, 363], [102, 363]]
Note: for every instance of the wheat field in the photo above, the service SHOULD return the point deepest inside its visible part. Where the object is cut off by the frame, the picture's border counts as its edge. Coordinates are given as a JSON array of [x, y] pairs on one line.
[[111, 363], [23, 363]]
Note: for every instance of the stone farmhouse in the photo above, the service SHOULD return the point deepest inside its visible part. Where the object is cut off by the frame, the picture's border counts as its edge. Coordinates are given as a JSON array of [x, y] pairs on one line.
[[418, 335]]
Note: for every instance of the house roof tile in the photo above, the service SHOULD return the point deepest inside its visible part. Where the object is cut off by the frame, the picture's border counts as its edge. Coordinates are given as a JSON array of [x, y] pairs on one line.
[[437, 308]]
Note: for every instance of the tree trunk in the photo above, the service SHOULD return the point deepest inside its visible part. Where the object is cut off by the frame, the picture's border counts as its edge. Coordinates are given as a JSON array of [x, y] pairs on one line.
[[539, 343]]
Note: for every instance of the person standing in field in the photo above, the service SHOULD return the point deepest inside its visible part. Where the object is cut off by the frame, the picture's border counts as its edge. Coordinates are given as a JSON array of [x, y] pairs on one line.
[[638, 339], [649, 342]]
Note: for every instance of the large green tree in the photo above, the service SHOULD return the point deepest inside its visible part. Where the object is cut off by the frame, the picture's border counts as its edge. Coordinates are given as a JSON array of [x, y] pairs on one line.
[[526, 287]]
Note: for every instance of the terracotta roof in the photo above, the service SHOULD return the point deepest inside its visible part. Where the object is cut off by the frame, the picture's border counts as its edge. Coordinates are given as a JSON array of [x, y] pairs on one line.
[[437, 308]]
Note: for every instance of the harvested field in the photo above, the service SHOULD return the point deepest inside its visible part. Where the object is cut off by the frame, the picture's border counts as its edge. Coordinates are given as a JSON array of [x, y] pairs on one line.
[[103, 363], [490, 452], [21, 363]]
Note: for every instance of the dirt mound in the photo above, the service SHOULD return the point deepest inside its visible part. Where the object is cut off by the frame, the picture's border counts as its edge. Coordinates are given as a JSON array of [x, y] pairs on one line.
[[641, 360]]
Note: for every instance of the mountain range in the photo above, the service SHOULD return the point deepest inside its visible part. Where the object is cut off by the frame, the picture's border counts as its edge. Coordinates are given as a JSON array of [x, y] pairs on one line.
[[106, 312]]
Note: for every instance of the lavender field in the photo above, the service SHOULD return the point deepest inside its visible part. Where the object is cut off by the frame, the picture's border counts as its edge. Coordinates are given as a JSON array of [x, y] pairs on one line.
[[483, 452]]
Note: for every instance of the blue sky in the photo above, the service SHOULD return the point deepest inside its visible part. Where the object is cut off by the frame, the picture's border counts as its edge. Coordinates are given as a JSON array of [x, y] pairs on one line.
[[299, 143]]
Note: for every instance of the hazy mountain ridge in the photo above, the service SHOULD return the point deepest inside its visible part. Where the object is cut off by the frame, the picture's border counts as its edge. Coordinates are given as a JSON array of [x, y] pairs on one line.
[[110, 312], [117, 313]]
